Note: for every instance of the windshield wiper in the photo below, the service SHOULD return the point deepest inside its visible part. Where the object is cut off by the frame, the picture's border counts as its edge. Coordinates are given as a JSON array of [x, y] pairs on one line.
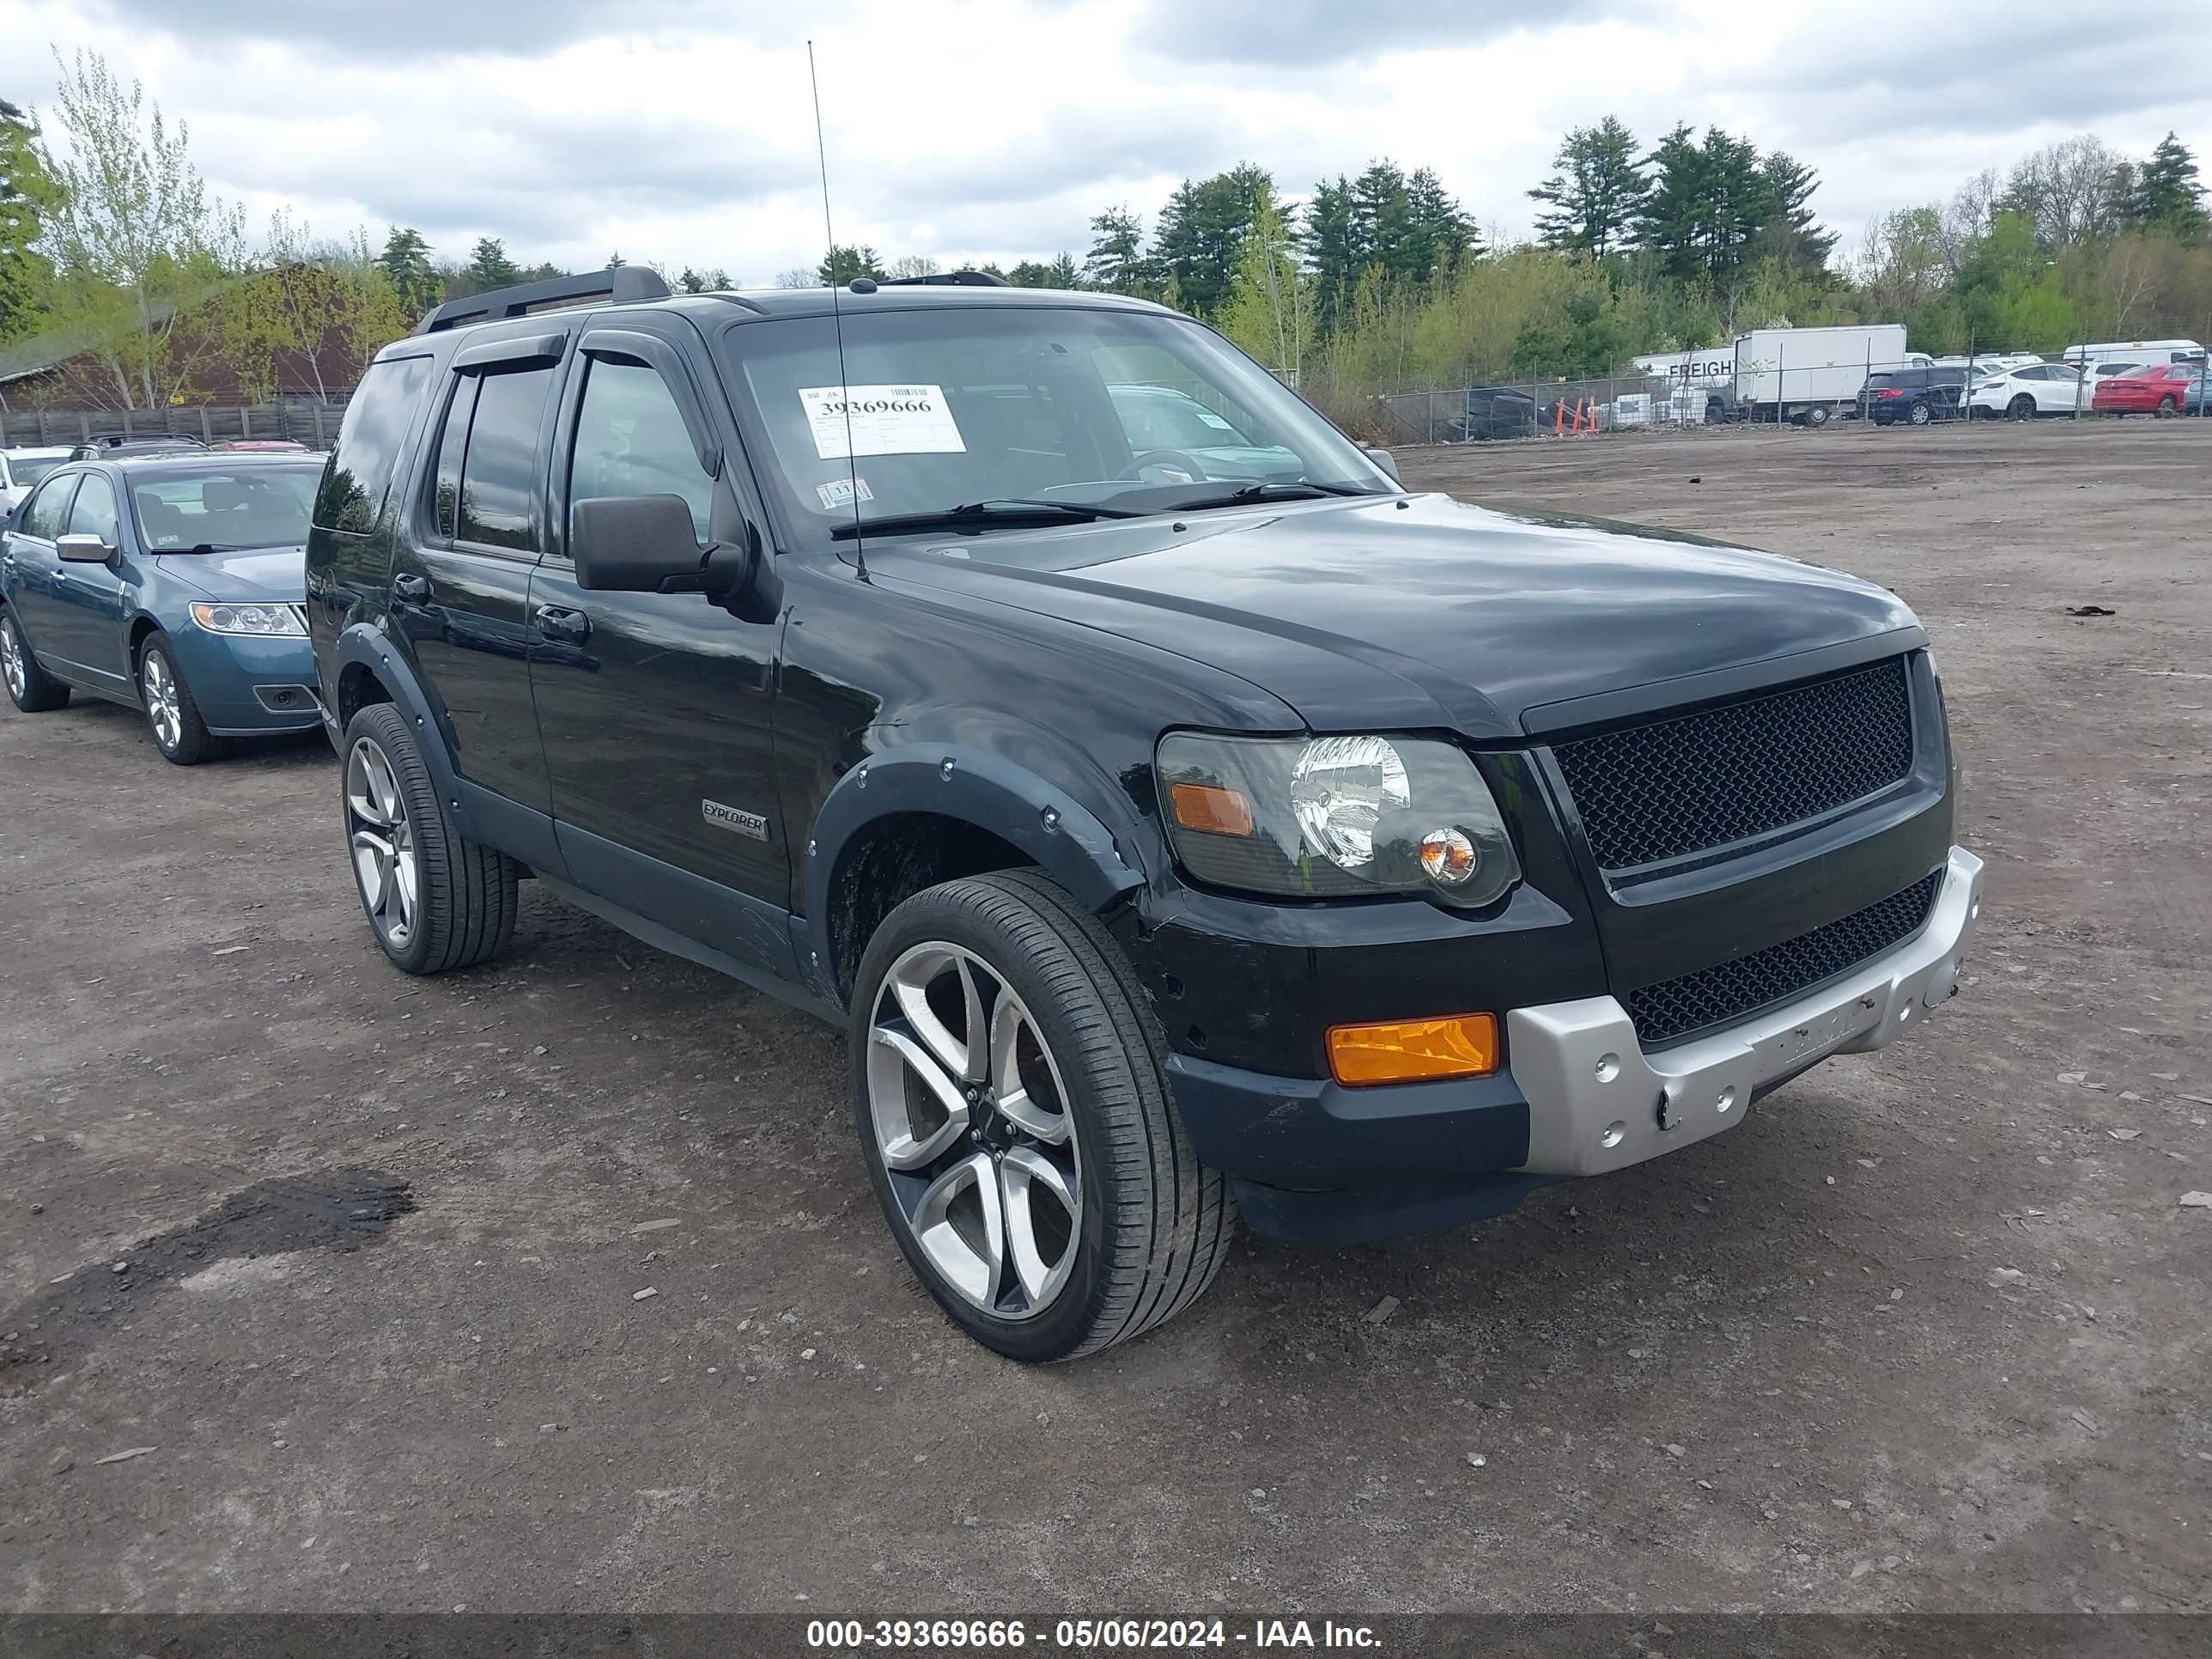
[[1303, 490], [205, 547], [1008, 511]]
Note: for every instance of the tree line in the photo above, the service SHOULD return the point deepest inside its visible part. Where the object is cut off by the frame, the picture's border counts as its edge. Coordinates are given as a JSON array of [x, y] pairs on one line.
[[1370, 282]]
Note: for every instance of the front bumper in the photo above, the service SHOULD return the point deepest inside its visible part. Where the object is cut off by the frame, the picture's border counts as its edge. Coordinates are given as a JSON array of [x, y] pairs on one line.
[[1579, 1097]]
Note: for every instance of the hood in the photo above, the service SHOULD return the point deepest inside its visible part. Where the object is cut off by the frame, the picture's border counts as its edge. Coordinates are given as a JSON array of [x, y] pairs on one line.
[[268, 574], [1408, 612]]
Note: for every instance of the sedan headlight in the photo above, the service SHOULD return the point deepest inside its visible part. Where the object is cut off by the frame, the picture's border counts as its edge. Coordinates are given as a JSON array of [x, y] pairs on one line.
[[266, 620], [1335, 817]]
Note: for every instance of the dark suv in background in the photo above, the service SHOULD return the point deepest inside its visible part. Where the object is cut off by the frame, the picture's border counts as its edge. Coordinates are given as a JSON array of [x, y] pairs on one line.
[[1174, 830], [1914, 396]]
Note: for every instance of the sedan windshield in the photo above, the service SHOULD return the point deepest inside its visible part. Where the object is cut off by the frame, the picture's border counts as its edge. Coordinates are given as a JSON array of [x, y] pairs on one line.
[[941, 410], [222, 509]]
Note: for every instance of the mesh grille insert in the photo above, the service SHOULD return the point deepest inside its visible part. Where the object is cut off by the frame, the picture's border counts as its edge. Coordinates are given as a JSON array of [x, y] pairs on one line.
[[1674, 1009], [1670, 787]]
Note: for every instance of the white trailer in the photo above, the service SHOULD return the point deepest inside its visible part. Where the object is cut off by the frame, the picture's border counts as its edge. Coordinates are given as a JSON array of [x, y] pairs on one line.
[[1810, 374]]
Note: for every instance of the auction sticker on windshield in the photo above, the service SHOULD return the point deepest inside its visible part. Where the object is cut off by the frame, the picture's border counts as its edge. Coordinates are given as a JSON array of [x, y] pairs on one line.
[[881, 420]]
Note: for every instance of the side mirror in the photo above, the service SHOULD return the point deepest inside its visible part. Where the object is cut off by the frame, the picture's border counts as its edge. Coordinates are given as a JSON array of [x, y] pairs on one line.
[[1383, 458], [633, 544], [83, 549]]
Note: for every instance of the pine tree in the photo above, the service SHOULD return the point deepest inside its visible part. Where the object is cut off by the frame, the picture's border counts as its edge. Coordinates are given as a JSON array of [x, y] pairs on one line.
[[488, 267], [843, 264], [406, 262], [1116, 260], [1439, 234], [1792, 231], [2167, 195], [1332, 250], [1382, 219], [1200, 233], [1598, 194], [1066, 273]]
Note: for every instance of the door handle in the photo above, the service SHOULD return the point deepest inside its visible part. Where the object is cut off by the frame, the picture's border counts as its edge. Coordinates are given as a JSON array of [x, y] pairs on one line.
[[411, 588], [557, 622]]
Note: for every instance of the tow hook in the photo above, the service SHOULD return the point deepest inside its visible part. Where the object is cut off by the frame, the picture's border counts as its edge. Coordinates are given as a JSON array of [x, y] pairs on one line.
[[1668, 1117]]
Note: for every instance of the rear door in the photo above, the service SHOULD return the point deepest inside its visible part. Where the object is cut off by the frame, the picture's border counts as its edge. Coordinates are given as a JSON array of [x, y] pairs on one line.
[[33, 571], [656, 708], [460, 570]]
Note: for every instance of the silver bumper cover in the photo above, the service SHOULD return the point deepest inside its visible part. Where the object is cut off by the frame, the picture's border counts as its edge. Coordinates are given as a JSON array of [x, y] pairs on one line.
[[1598, 1102]]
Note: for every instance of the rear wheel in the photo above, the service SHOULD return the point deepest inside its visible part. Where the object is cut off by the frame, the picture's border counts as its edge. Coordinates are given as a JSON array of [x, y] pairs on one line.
[[1017, 1127], [1817, 416], [1918, 415], [2021, 408], [30, 688], [172, 718], [435, 899], [2168, 407]]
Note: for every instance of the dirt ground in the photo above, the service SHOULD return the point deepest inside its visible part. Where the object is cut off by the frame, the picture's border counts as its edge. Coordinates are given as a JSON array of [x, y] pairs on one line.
[[1931, 1331]]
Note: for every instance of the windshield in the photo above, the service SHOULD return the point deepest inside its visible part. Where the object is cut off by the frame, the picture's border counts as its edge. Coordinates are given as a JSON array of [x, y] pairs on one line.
[[27, 471], [224, 508], [1127, 411]]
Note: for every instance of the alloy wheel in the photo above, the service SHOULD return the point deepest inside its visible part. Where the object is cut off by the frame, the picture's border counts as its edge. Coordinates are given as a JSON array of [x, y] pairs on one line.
[[382, 843], [163, 710], [971, 1120], [11, 659]]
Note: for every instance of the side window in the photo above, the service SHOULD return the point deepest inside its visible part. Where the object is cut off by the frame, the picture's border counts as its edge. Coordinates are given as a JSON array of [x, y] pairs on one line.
[[2038, 372], [453, 443], [499, 475], [631, 440], [49, 508], [369, 439], [94, 512]]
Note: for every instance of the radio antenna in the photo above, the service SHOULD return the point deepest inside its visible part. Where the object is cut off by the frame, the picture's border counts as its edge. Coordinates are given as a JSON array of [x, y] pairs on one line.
[[838, 320]]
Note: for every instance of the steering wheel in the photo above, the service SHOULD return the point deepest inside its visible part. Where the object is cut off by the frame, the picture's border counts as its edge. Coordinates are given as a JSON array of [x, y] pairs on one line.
[[1173, 459]]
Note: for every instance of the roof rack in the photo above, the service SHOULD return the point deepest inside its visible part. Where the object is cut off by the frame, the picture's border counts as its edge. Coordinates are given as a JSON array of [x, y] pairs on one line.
[[945, 279], [620, 284]]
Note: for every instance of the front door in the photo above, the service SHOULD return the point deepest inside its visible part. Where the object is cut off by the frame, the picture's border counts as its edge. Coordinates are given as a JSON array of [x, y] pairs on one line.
[[460, 576], [655, 708], [89, 598]]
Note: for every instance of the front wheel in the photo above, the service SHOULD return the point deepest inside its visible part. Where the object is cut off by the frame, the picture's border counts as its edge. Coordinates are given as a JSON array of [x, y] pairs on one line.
[[30, 688], [1017, 1127], [172, 718], [2167, 408], [435, 899]]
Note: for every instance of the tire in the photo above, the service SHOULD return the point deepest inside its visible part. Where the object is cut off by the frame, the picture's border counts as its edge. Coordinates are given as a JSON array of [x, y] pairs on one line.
[[2021, 408], [172, 718], [435, 900], [1151, 1225], [1919, 415], [30, 688], [2167, 408], [1817, 416]]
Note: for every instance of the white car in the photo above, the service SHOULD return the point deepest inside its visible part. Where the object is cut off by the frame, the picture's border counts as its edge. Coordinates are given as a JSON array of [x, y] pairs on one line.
[[2039, 388], [1989, 362], [22, 468]]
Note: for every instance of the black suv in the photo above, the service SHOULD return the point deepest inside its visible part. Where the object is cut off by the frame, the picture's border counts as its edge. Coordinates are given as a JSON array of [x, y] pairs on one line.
[[1914, 396], [1176, 831]]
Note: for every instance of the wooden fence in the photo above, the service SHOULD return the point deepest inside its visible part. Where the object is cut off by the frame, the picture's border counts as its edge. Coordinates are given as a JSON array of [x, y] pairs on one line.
[[306, 419]]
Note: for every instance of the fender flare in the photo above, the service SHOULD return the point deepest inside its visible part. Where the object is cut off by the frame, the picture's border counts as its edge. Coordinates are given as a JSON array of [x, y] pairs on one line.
[[365, 645], [1044, 821]]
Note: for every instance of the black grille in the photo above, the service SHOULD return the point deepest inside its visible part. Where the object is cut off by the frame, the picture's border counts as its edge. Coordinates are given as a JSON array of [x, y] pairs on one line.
[[1675, 787], [1677, 1008]]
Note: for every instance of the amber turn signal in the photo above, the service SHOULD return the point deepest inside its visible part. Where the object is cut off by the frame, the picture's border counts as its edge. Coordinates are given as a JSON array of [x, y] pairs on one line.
[[1212, 810], [1413, 1050]]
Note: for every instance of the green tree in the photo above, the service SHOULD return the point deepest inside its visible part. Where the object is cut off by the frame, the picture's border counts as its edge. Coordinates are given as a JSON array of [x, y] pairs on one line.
[[133, 240], [27, 196], [1382, 220], [1438, 232], [1269, 310], [1597, 196], [843, 264], [406, 262], [2167, 195], [1792, 234], [1116, 260], [1200, 233], [307, 306], [488, 267], [1332, 250]]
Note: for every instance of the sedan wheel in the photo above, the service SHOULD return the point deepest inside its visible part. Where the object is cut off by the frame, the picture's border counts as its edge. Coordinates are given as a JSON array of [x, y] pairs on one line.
[[161, 710], [2022, 407], [29, 686], [383, 844], [171, 716], [2167, 408], [12, 661], [971, 1122]]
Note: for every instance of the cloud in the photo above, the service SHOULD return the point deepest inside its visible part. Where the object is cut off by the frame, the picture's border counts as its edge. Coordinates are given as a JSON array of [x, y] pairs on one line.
[[1315, 33], [427, 30]]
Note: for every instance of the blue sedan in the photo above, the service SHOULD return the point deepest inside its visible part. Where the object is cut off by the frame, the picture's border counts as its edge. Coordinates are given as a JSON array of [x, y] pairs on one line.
[[173, 583]]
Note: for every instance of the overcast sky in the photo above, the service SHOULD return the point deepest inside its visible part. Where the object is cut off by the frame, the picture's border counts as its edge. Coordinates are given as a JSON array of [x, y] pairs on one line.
[[679, 130]]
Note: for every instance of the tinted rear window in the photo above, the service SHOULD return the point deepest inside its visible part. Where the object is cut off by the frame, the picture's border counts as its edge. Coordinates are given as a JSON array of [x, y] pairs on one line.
[[500, 476], [1899, 377], [375, 425]]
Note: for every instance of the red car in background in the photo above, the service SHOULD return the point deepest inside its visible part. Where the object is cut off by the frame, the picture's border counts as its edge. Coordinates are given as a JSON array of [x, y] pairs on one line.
[[2161, 391]]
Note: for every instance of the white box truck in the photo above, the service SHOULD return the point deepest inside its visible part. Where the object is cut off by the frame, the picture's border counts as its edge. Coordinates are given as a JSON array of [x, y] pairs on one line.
[[1810, 374]]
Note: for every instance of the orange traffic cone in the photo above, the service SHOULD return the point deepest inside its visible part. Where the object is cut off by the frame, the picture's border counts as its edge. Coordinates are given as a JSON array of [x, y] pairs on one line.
[[1559, 417]]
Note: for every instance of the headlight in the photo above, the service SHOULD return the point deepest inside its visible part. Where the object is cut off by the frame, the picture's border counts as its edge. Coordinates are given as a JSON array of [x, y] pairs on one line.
[[1335, 817], [263, 619]]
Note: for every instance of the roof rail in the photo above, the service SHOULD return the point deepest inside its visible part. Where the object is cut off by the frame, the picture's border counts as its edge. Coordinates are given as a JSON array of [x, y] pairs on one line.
[[945, 279], [620, 284]]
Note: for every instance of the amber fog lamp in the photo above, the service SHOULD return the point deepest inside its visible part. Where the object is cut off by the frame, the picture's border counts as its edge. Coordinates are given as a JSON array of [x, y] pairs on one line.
[[1449, 858], [1413, 1050]]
